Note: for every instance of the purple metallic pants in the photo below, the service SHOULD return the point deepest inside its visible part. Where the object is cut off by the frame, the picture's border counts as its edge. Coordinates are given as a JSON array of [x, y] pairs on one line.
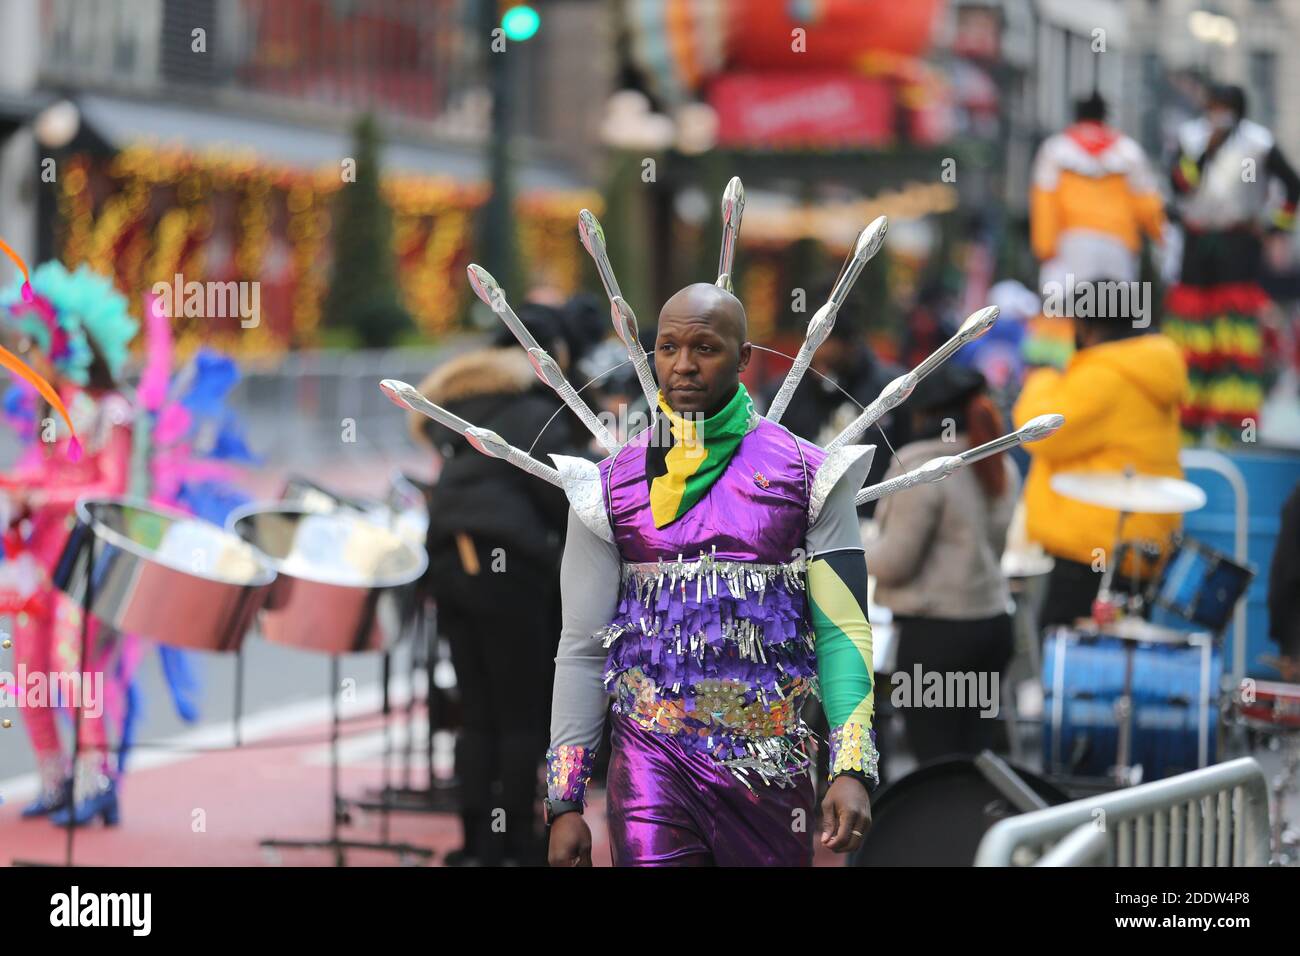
[[670, 807]]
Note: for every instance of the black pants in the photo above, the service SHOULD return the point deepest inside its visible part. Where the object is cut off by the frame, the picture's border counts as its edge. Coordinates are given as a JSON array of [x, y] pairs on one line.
[[501, 627], [1071, 589], [980, 647]]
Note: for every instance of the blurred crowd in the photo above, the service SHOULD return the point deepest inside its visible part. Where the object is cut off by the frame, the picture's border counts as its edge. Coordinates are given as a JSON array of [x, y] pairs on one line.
[[1140, 366]]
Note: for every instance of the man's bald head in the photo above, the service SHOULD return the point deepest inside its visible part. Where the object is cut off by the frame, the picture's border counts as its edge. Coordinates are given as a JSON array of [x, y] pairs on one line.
[[708, 302], [701, 348]]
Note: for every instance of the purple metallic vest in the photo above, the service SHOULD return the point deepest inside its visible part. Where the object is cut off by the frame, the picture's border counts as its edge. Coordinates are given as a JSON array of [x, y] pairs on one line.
[[756, 511], [711, 641]]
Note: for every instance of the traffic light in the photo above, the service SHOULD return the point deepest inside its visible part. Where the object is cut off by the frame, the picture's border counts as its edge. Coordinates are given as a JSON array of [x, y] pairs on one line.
[[520, 22]]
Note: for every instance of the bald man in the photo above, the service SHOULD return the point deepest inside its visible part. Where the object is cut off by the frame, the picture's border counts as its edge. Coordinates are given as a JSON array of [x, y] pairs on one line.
[[733, 588], [701, 349]]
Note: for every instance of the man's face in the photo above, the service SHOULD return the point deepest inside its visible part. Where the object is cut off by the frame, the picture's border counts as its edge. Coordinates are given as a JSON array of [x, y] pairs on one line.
[[698, 359]]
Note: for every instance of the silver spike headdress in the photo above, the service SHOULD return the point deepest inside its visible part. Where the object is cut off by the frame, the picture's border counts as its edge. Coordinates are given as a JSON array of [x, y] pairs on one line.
[[580, 479]]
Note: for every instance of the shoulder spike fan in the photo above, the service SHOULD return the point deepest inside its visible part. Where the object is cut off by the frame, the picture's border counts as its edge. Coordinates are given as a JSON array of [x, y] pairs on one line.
[[487, 289], [867, 245], [593, 240], [937, 469]]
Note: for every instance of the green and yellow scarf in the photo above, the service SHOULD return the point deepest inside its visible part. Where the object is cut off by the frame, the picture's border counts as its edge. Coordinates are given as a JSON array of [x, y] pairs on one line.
[[680, 475]]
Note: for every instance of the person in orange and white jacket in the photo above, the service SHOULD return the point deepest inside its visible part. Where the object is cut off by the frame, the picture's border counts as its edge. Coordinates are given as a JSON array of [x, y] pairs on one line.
[[1092, 199], [1120, 394]]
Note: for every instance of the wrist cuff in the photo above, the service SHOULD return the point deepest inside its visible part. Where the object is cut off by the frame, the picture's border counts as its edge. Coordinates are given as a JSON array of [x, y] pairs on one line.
[[568, 768], [853, 747]]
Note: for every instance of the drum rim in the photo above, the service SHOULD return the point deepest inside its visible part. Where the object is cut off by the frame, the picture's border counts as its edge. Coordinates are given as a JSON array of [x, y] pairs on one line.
[[266, 573], [395, 581]]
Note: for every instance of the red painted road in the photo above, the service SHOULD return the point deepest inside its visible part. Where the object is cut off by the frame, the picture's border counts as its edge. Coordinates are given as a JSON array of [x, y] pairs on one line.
[[212, 808]]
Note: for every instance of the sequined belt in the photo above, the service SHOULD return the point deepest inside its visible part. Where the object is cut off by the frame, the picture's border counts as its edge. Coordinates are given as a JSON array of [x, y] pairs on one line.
[[764, 738]]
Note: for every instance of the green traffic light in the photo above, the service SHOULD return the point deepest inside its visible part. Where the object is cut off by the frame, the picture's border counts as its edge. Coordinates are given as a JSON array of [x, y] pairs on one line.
[[520, 23]]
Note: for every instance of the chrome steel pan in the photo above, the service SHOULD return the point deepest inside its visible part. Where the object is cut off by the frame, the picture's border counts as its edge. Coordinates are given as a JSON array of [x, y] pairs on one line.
[[165, 575], [344, 584]]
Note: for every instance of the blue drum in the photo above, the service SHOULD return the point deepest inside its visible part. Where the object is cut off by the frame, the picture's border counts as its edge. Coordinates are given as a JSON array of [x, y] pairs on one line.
[[1174, 691], [1199, 587]]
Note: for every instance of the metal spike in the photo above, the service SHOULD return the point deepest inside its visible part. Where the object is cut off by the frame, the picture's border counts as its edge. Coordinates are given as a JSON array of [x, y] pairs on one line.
[[593, 240], [867, 245], [936, 469], [484, 439], [548, 370], [733, 209], [897, 391]]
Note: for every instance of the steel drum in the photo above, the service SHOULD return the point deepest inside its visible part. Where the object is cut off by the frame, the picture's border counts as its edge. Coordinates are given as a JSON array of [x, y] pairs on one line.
[[313, 496], [165, 575], [1271, 706], [344, 584], [1173, 688], [404, 509], [408, 499]]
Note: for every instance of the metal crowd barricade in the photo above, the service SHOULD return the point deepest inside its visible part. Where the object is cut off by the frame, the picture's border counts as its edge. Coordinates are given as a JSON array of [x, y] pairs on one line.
[[1086, 845], [306, 407], [1216, 816]]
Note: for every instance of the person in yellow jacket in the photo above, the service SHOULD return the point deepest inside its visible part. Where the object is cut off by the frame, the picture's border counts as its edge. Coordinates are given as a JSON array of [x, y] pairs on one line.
[[1120, 394], [1093, 197]]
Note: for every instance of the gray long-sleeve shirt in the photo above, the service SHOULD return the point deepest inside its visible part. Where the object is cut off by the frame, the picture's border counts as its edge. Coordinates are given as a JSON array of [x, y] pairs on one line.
[[589, 587], [939, 549]]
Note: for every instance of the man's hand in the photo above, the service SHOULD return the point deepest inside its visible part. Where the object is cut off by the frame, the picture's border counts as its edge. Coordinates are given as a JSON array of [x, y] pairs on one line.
[[570, 841], [846, 816]]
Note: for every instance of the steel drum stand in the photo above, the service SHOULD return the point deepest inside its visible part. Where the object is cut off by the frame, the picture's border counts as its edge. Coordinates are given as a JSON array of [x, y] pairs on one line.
[[1125, 774], [436, 797], [87, 549], [338, 805]]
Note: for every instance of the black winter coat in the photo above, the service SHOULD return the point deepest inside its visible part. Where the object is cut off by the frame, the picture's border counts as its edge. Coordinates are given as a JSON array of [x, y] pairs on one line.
[[489, 499]]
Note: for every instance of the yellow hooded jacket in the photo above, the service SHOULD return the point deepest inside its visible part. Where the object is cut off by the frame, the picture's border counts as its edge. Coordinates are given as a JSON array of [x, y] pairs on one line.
[[1120, 401]]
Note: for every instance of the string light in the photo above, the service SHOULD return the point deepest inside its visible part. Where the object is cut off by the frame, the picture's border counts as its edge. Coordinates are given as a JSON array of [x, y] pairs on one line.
[[127, 237]]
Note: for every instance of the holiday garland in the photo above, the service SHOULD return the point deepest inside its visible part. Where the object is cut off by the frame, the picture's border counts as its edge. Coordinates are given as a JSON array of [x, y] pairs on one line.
[[150, 212]]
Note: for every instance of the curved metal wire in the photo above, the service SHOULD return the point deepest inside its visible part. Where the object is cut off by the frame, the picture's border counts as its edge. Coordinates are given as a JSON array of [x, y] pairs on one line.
[[761, 348]]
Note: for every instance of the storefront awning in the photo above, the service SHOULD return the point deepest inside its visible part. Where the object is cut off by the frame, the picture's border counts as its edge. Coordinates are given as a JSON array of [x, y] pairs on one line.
[[121, 122]]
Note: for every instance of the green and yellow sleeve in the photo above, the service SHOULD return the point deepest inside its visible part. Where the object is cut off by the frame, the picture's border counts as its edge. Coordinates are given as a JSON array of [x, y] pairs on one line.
[[837, 599]]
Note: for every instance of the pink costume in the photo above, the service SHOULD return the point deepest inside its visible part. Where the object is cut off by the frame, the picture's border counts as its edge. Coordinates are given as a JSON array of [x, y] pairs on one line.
[[47, 633]]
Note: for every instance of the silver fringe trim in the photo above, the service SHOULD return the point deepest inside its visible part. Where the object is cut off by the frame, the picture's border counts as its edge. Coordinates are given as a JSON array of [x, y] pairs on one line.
[[703, 576], [779, 761], [741, 577]]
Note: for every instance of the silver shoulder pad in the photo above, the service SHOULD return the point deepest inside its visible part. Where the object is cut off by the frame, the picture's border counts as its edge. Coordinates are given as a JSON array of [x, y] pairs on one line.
[[848, 462], [580, 479]]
